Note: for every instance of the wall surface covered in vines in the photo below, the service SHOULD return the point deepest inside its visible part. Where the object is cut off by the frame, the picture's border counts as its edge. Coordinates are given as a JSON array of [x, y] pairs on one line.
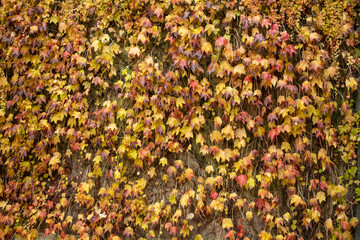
[[178, 119]]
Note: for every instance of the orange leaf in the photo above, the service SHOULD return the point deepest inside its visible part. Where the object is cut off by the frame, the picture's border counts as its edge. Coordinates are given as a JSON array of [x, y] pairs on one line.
[[189, 173]]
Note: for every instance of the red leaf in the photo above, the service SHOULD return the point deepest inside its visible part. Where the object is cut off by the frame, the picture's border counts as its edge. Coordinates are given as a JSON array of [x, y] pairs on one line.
[[213, 195], [265, 23], [230, 234], [221, 41], [273, 133], [247, 78], [260, 203], [345, 224], [173, 231], [323, 185], [241, 180], [272, 117]]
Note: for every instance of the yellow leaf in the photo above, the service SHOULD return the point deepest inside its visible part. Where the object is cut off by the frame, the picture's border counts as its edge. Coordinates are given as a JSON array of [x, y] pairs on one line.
[[172, 122], [200, 139], [99, 231], [179, 102], [102, 191], [151, 173], [216, 136], [287, 216], [117, 175], [198, 237], [97, 159], [111, 126], [140, 184], [239, 69], [186, 132], [219, 87], [3, 82], [320, 196], [285, 146], [319, 235], [329, 225], [142, 38], [259, 132], [62, 27], [64, 202], [121, 114], [115, 48], [296, 200], [265, 236], [209, 169], [183, 31], [115, 238], [249, 215], [228, 132], [217, 122], [132, 154], [250, 183], [134, 52], [184, 200], [96, 45], [55, 159], [227, 223], [206, 47], [240, 133], [163, 161], [138, 162], [351, 83]]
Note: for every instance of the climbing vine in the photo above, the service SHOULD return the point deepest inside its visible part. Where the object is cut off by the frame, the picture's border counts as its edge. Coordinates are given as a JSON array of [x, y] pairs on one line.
[[178, 119]]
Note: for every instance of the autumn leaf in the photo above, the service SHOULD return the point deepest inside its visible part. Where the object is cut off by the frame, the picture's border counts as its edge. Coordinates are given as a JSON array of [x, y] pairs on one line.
[[186, 132], [179, 102], [320, 196], [296, 200], [230, 234], [134, 52], [217, 122], [216, 136], [329, 225], [128, 232], [213, 195], [206, 47], [221, 41], [227, 223], [228, 132], [249, 215], [189, 174], [184, 200], [259, 132], [351, 84], [163, 161], [273, 133], [265, 236], [99, 231], [140, 184], [239, 69], [62, 27], [198, 237], [209, 169], [241, 179]]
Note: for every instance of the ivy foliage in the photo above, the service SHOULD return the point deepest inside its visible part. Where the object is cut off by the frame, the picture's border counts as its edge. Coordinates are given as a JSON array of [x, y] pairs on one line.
[[178, 119]]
